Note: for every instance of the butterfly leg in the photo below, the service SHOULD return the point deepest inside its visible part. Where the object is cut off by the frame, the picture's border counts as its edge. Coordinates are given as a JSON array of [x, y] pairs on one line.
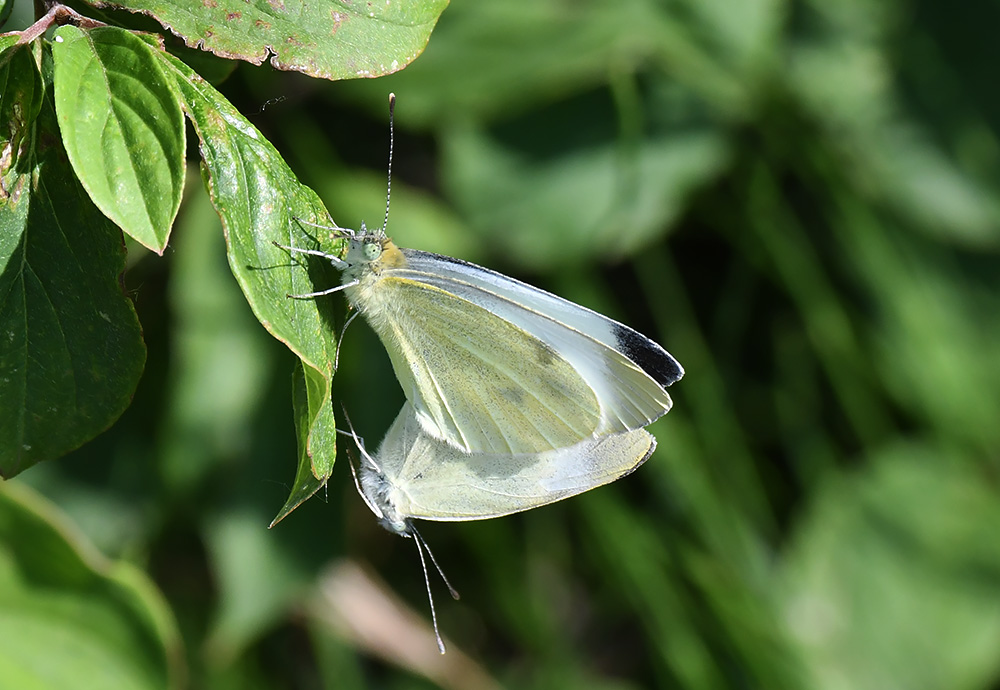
[[332, 258], [330, 291]]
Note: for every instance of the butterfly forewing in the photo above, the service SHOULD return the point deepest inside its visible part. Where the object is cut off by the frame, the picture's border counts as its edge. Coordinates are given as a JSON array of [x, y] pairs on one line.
[[476, 380], [625, 370]]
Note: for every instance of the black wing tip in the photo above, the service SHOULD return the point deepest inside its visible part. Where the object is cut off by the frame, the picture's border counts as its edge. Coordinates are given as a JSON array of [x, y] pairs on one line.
[[649, 356]]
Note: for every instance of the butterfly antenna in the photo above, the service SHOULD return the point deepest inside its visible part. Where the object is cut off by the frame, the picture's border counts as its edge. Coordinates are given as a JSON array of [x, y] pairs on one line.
[[392, 137], [359, 442], [427, 582], [451, 590]]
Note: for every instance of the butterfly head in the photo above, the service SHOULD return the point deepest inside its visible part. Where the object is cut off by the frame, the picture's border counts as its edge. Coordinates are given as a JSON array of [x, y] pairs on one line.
[[372, 251], [364, 247], [375, 489]]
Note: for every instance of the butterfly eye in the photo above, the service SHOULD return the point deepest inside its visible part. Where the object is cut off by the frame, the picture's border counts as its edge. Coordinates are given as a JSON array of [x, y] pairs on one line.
[[372, 250]]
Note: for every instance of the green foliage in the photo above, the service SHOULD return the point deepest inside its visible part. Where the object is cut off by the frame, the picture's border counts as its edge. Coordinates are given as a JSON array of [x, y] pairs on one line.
[[69, 614], [909, 539], [119, 100], [259, 199], [797, 198], [72, 350], [122, 128], [331, 39]]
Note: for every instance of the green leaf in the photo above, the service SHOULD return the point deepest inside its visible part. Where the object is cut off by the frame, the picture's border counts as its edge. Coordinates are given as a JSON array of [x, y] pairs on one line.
[[842, 76], [258, 199], [310, 401], [330, 39], [258, 575], [928, 324], [67, 613], [122, 127], [640, 560], [9, 41], [594, 201], [71, 350], [894, 577], [21, 93], [548, 52]]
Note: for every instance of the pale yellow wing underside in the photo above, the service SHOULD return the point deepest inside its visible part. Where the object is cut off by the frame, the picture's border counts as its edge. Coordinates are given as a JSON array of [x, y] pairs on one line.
[[433, 481], [475, 380]]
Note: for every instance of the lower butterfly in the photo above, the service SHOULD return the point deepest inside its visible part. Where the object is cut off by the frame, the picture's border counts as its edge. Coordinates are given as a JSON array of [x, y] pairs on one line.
[[414, 476]]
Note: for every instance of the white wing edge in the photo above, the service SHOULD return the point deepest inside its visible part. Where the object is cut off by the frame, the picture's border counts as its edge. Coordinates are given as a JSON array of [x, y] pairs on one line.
[[431, 480]]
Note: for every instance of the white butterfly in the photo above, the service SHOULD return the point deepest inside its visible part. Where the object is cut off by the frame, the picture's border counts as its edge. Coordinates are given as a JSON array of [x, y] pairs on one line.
[[493, 365], [416, 476]]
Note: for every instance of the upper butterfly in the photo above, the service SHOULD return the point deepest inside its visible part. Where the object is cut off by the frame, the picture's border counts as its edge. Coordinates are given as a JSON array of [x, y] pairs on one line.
[[491, 364]]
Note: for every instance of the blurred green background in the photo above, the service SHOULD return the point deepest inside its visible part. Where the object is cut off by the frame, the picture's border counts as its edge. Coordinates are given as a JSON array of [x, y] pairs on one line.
[[799, 199]]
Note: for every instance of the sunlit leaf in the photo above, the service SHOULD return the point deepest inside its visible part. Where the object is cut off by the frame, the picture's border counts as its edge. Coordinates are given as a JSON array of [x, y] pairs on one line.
[[122, 127], [259, 200], [332, 39]]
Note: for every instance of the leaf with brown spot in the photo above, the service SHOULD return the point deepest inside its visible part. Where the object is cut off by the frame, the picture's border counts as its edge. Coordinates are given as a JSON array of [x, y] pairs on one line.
[[329, 38]]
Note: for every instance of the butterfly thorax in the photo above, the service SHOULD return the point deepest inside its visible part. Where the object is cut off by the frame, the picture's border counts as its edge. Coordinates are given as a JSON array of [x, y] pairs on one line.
[[380, 495]]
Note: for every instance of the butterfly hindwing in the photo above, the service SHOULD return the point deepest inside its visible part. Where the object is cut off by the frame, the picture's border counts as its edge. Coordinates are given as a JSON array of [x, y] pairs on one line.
[[434, 481]]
